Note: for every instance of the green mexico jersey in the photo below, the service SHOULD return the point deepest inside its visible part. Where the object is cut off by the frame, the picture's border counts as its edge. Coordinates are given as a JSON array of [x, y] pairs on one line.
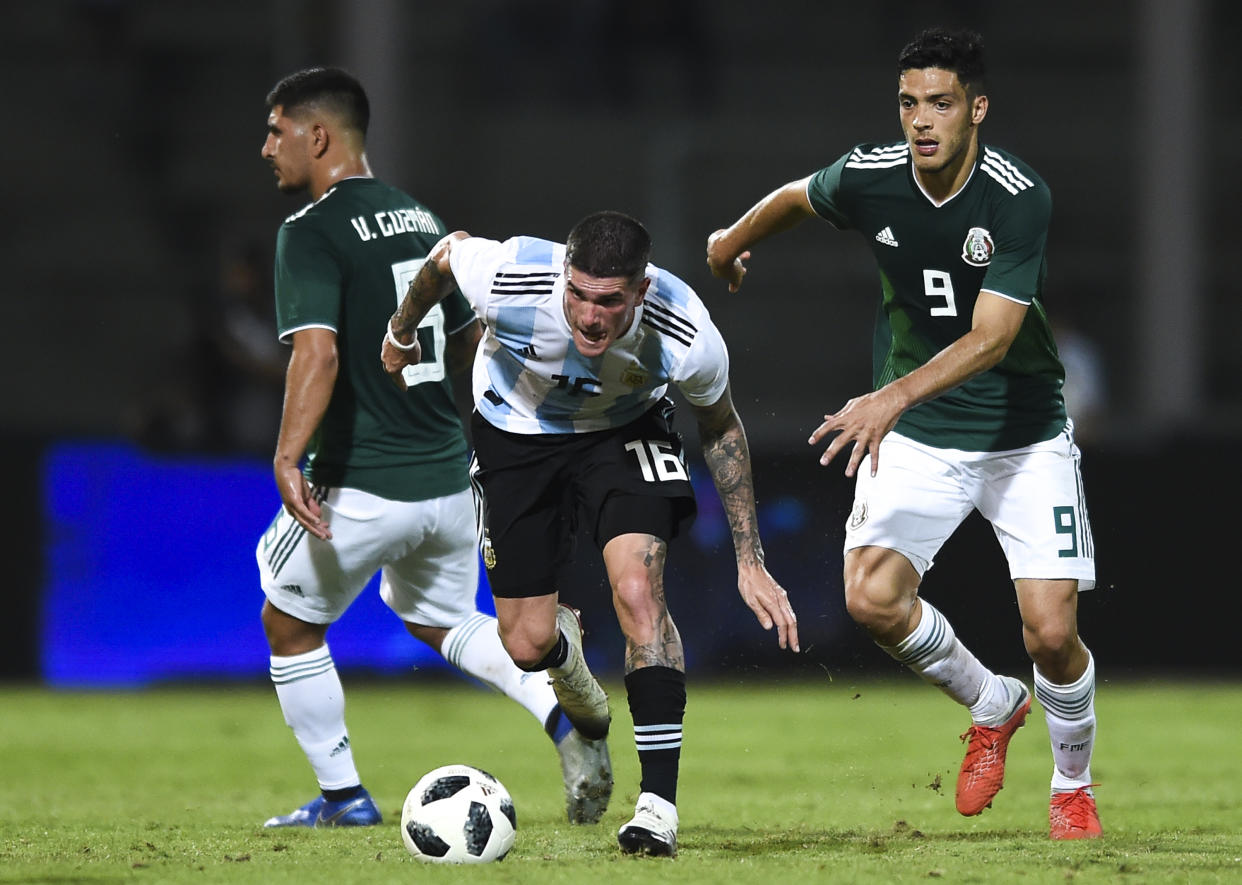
[[344, 263], [933, 261]]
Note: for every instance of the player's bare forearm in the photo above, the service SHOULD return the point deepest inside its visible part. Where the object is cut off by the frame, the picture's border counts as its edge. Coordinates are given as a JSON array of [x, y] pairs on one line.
[[727, 456], [784, 208], [727, 249], [728, 461], [434, 280], [426, 290], [309, 381], [864, 421], [429, 287], [994, 326]]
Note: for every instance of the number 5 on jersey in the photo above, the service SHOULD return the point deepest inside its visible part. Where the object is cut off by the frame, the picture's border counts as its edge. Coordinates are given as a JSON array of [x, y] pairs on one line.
[[657, 461], [430, 330]]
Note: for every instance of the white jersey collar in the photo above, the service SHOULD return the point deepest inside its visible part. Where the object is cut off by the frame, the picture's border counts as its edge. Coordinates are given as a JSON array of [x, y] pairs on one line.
[[965, 184]]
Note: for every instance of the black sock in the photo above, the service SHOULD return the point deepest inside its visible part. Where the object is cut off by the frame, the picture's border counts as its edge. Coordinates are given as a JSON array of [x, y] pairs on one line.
[[342, 795], [557, 656], [657, 697]]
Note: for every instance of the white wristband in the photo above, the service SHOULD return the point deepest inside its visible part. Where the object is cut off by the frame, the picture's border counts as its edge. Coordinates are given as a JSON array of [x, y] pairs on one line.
[[392, 339]]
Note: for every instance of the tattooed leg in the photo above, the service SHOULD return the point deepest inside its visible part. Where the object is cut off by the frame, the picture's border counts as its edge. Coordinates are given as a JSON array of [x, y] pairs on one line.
[[635, 564]]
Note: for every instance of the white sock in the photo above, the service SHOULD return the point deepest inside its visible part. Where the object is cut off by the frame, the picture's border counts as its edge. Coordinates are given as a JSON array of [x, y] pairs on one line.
[[313, 701], [474, 647], [1070, 713], [934, 652]]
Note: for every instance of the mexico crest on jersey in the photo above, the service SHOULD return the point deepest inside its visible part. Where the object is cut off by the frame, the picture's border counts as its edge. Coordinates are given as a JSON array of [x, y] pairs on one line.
[[978, 248], [858, 515]]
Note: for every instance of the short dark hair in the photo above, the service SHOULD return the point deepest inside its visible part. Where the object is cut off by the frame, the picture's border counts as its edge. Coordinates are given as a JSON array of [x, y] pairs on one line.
[[609, 244], [959, 51], [330, 88]]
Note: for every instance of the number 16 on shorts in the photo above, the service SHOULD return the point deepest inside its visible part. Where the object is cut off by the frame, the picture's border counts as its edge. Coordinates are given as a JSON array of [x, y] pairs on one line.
[[658, 460]]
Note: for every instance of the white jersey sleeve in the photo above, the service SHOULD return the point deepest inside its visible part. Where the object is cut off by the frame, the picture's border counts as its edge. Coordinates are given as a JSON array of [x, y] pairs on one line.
[[673, 308], [706, 370], [474, 260]]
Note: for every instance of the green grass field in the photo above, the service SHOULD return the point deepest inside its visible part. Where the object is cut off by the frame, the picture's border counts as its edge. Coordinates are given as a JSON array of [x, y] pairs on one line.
[[781, 782]]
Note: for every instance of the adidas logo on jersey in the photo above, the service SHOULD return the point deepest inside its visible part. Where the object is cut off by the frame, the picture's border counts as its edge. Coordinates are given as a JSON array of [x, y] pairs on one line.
[[886, 237]]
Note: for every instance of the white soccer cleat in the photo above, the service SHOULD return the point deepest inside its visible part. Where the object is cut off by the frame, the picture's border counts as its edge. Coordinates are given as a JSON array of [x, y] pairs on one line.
[[653, 829], [588, 777], [580, 695]]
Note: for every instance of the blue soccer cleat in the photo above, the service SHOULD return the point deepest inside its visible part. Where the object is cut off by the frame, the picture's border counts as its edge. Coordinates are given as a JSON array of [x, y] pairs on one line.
[[360, 811]]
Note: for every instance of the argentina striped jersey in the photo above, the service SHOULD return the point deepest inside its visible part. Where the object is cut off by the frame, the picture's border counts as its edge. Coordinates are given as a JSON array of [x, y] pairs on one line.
[[530, 378]]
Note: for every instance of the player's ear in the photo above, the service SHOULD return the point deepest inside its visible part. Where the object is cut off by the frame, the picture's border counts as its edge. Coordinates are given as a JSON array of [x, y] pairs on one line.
[[320, 139], [642, 290], [978, 109]]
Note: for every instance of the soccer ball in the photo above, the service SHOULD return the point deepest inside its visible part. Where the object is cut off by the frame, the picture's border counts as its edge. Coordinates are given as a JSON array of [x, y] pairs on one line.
[[458, 814]]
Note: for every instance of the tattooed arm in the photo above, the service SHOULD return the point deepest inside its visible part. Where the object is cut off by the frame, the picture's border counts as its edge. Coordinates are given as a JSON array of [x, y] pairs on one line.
[[728, 460], [431, 284]]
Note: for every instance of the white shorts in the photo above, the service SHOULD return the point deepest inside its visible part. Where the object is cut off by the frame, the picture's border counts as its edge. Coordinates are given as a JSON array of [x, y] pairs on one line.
[[1032, 496], [426, 553]]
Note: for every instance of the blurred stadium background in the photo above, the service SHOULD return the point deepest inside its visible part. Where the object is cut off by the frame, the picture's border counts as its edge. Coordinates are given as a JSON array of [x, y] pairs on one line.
[[139, 408]]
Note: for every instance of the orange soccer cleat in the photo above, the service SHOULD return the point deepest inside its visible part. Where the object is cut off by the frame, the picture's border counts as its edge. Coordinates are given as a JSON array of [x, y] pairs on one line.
[[1072, 815], [983, 769]]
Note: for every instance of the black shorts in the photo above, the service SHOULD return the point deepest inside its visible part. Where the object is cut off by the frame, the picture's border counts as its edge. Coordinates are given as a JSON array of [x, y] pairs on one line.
[[535, 492]]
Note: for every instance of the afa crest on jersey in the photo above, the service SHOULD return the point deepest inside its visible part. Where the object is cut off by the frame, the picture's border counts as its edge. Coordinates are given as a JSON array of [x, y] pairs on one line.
[[978, 248], [635, 375]]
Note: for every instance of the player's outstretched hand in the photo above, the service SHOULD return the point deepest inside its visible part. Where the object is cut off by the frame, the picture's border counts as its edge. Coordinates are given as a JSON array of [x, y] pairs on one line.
[[396, 357], [295, 492], [724, 263], [770, 603], [863, 421]]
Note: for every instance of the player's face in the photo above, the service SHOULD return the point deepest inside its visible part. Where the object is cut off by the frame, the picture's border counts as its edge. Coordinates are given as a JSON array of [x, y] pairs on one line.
[[287, 149], [600, 309], [938, 118]]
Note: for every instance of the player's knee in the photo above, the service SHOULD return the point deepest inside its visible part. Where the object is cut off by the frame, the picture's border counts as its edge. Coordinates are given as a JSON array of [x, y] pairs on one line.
[[880, 593], [876, 617], [287, 635], [1050, 644], [639, 610], [525, 654], [432, 636], [875, 611], [527, 649], [633, 595]]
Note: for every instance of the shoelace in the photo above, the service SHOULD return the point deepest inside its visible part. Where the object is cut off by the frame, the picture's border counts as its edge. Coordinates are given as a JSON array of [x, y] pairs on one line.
[[649, 819], [1076, 805], [1075, 808], [980, 736]]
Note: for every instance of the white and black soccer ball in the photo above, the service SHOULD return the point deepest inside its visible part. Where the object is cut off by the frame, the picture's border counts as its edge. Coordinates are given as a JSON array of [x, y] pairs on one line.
[[458, 814]]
